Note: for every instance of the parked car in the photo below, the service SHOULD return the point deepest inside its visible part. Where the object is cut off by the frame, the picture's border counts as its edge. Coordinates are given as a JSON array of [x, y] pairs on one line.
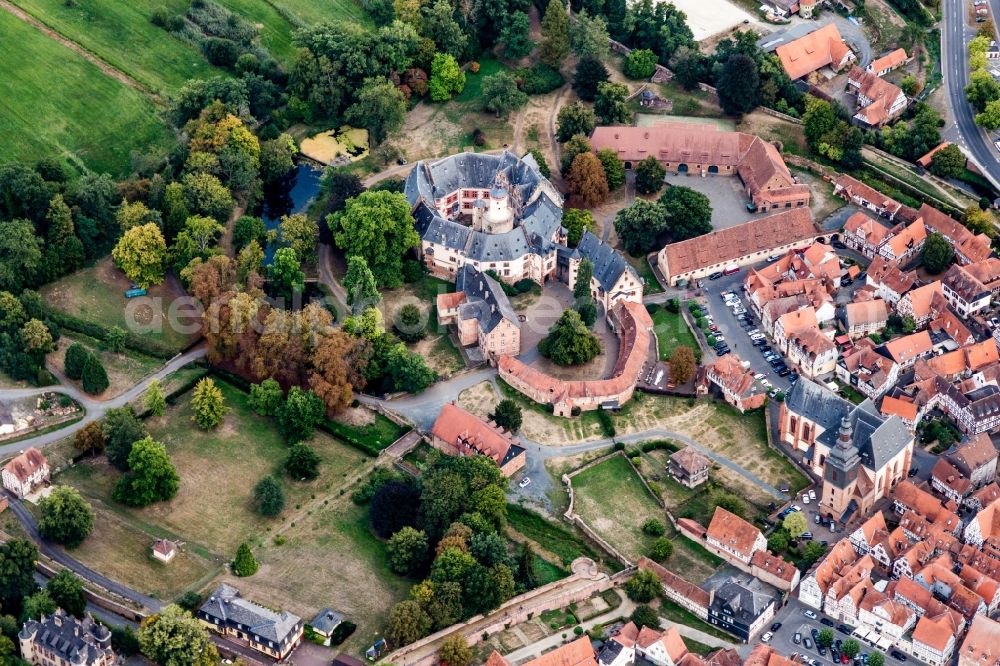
[[715, 276], [524, 482], [759, 342], [796, 507], [847, 281], [821, 650], [723, 352], [805, 499], [775, 257], [797, 638], [812, 493], [766, 638], [783, 372], [844, 629], [897, 655], [806, 535], [834, 655], [826, 621], [839, 245], [807, 642], [811, 614], [775, 626], [719, 337], [913, 472], [759, 376]]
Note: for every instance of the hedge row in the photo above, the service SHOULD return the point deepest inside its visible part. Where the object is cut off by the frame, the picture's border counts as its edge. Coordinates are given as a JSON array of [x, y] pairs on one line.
[[97, 331]]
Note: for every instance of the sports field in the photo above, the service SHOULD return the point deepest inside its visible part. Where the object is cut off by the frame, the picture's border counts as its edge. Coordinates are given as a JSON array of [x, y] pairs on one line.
[[55, 103]]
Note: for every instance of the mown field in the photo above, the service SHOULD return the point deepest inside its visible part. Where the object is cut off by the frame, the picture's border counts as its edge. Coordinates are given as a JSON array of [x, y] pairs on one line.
[[53, 102], [121, 34], [323, 535]]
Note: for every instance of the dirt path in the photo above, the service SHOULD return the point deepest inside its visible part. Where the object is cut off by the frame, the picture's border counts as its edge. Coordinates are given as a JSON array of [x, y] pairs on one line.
[[539, 549], [104, 66], [226, 242], [550, 127]]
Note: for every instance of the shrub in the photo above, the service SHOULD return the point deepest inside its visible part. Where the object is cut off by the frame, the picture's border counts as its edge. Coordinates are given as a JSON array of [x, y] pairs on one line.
[[661, 549], [95, 378], [244, 564], [578, 630], [409, 324], [76, 357], [539, 79], [654, 527], [474, 67], [478, 137]]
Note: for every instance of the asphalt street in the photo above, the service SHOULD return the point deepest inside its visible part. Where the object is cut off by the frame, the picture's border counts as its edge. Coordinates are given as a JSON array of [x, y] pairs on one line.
[[954, 36], [793, 620]]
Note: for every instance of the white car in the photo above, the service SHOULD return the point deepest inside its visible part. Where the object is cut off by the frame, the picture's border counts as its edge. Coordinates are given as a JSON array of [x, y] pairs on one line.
[[765, 383], [796, 507], [719, 337], [774, 257], [812, 493], [810, 614], [759, 376], [524, 482], [756, 336], [766, 637], [805, 499]]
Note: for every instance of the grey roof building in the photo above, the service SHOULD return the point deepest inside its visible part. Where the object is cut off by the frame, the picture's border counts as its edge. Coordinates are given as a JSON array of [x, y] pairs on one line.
[[62, 639], [326, 621], [271, 632], [478, 186], [608, 264], [485, 299], [742, 605]]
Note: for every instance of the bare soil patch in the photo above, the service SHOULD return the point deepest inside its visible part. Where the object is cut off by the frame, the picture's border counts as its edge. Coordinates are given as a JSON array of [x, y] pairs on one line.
[[480, 399]]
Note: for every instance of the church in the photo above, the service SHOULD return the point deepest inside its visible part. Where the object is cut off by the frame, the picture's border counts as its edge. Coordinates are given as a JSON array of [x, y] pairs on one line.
[[860, 454]]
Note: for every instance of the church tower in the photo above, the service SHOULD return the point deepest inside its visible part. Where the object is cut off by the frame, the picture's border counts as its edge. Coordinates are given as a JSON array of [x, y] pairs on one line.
[[840, 474]]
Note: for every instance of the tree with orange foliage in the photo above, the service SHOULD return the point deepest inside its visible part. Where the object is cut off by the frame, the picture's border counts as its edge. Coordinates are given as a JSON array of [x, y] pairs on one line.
[[587, 180]]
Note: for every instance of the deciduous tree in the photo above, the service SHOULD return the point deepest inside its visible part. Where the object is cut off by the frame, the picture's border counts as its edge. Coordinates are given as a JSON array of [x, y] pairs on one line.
[[739, 85], [267, 397], [507, 415], [301, 233], [35, 337], [515, 35], [89, 439], [379, 107], [501, 95], [795, 524], [574, 118], [611, 106], [66, 590], [614, 168], [640, 64], [378, 227], [17, 571], [208, 404], [302, 463], [588, 35], [285, 272], [447, 78], [661, 550], [682, 364], [577, 145], [154, 401], [360, 285], [569, 341], [937, 254], [649, 176], [643, 586], [586, 180], [407, 549], [66, 517], [576, 221], [455, 651], [141, 253], [949, 162], [173, 637], [276, 160], [639, 225], [407, 622], [300, 414], [151, 476], [689, 212]]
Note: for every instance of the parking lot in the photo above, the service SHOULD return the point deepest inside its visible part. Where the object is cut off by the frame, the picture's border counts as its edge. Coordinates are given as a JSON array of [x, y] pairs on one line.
[[793, 619], [729, 326]]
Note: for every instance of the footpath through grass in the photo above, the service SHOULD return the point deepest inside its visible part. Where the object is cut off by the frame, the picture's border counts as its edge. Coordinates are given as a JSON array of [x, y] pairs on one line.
[[54, 103]]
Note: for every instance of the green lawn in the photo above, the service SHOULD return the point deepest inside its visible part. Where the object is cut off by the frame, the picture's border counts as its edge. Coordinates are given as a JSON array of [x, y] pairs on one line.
[[96, 294], [122, 34], [55, 103], [371, 438], [672, 332], [308, 12], [552, 536]]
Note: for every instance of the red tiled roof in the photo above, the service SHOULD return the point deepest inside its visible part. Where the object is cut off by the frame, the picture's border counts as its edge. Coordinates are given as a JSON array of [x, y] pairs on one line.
[[904, 409], [674, 582], [981, 646], [26, 464], [470, 434], [731, 244], [578, 653], [729, 529], [909, 346], [890, 60], [817, 49]]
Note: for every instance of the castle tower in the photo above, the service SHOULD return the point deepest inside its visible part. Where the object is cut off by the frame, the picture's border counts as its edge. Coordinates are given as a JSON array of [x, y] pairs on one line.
[[840, 473], [499, 214]]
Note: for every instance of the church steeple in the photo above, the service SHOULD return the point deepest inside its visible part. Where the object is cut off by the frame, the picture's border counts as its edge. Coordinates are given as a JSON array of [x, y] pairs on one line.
[[842, 465]]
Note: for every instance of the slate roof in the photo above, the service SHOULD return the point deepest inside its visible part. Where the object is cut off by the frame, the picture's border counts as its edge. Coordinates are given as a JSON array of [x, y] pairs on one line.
[[608, 264], [877, 438], [485, 299], [326, 620], [229, 607], [746, 600], [77, 641], [537, 205]]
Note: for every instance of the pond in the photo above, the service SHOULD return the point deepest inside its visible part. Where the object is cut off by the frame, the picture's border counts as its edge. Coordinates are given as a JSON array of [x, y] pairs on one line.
[[294, 195]]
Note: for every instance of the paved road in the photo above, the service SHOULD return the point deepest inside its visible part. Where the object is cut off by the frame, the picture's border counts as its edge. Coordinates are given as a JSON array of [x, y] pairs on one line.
[[954, 37], [95, 409], [55, 553]]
